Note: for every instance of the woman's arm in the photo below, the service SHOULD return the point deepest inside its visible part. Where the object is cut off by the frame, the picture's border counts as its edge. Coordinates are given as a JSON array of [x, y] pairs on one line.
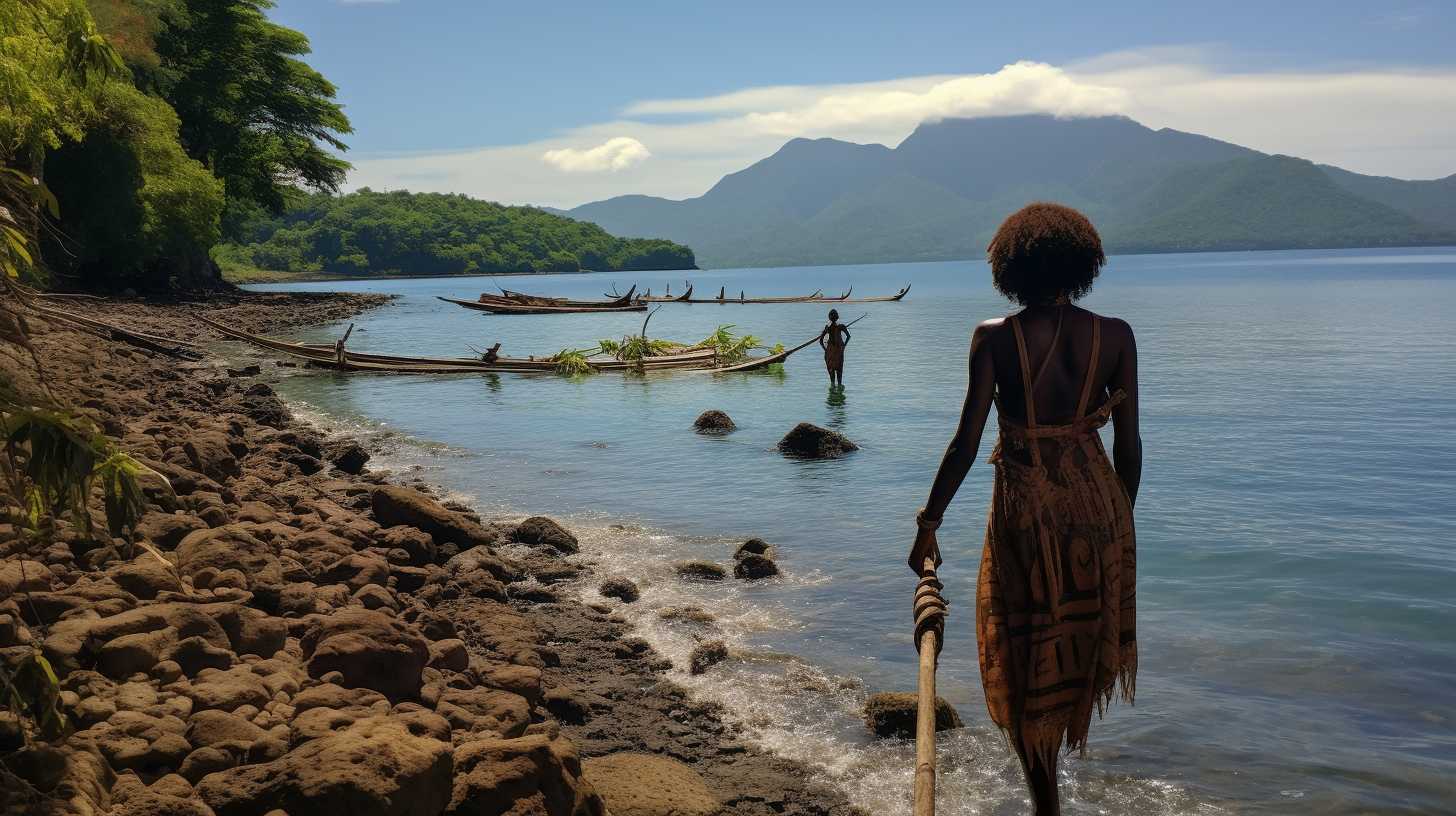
[[1127, 440], [845, 331], [820, 338], [963, 446]]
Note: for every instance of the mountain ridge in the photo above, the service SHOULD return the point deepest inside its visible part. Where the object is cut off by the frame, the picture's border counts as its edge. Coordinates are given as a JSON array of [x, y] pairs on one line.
[[941, 192]]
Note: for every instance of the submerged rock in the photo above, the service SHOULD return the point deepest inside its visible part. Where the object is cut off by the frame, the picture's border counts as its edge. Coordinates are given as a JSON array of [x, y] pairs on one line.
[[713, 422], [649, 785], [892, 714], [620, 588], [686, 614], [706, 655], [753, 567], [813, 442], [700, 571]]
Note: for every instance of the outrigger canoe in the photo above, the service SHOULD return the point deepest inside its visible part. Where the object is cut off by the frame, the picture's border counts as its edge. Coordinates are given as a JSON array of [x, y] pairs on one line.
[[520, 298], [817, 297], [339, 359], [685, 297], [512, 307], [877, 299]]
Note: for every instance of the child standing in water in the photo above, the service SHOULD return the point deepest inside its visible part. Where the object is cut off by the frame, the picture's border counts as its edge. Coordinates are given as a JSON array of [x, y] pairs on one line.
[[833, 339]]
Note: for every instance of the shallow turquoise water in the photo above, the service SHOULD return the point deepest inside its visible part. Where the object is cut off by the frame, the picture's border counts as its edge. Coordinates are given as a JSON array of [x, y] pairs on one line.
[[1297, 579]]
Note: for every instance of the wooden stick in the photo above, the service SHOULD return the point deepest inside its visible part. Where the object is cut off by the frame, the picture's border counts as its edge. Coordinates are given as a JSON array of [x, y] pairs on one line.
[[925, 710]]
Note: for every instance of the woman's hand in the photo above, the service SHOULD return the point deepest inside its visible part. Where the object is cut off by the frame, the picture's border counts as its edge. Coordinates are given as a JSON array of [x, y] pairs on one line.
[[925, 547]]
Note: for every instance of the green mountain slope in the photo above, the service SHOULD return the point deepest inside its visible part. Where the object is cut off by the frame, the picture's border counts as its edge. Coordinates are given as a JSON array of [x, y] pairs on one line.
[[1263, 202], [1431, 201], [941, 193]]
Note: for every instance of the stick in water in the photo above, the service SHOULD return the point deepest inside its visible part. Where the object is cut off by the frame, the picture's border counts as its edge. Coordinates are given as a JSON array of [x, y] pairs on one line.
[[929, 625]]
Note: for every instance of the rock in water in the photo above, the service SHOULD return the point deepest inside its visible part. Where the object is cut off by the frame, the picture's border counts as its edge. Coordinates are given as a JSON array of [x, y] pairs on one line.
[[892, 714], [621, 589], [754, 546], [539, 530], [813, 442], [752, 567], [700, 571], [713, 422], [648, 785], [710, 653]]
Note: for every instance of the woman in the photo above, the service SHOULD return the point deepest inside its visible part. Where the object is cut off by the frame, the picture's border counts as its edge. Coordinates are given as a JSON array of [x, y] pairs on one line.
[[1055, 599], [833, 338]]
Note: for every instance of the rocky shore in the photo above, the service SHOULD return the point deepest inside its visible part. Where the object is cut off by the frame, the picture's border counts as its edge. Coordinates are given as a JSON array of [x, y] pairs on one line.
[[316, 640]]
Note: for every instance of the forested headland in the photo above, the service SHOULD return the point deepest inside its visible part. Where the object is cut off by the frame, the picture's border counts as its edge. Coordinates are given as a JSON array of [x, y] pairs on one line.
[[401, 233], [140, 140]]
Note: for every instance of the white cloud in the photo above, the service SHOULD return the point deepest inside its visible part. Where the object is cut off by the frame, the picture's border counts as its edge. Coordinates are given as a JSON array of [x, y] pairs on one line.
[[610, 156], [1387, 122]]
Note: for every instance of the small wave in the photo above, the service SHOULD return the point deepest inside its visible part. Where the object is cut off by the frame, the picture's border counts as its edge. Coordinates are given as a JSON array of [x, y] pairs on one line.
[[801, 711]]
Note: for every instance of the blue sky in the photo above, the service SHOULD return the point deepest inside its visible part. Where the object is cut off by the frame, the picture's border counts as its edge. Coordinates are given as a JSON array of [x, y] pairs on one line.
[[450, 94]]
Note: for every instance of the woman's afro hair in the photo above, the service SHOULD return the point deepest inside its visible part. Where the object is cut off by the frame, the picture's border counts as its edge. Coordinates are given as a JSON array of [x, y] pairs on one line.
[[1044, 251]]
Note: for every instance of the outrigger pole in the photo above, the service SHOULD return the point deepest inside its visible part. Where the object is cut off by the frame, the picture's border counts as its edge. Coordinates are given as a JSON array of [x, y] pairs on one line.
[[929, 610]]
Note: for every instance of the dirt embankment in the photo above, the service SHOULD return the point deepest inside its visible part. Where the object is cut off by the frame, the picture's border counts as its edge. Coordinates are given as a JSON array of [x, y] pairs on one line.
[[315, 640]]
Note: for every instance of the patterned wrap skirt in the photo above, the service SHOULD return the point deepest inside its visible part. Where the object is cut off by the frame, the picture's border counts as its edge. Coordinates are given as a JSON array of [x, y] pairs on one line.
[[1056, 595]]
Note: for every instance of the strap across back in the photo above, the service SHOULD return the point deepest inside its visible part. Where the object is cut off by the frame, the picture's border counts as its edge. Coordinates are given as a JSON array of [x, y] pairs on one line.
[[1029, 382]]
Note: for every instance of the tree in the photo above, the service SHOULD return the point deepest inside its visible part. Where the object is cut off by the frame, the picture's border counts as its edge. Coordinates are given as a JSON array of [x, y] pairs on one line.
[[256, 115]]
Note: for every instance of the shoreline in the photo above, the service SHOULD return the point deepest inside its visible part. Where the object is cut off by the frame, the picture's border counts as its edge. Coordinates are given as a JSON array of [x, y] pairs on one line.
[[301, 551], [308, 278]]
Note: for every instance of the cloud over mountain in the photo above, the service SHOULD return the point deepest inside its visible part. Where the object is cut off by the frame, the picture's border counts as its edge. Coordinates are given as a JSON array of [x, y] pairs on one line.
[[609, 156]]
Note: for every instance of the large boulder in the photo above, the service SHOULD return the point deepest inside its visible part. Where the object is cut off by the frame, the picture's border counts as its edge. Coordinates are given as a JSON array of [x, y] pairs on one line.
[[394, 505], [530, 776], [375, 767], [166, 530], [230, 547], [893, 714], [212, 453], [813, 442], [419, 544], [370, 649], [146, 576], [713, 422], [649, 785], [539, 531], [485, 711], [24, 576], [229, 690]]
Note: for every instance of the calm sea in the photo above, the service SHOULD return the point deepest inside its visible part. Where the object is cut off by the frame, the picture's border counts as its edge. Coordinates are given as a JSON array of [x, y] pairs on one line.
[[1297, 593]]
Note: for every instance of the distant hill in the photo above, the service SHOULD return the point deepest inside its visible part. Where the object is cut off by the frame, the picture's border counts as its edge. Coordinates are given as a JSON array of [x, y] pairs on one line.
[[369, 233], [941, 193]]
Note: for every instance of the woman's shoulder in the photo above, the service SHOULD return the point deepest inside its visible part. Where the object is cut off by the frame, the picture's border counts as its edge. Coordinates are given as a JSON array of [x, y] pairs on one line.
[[1112, 326]]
